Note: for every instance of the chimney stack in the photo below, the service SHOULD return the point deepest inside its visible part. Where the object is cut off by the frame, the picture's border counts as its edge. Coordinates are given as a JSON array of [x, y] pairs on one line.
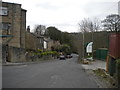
[[28, 28]]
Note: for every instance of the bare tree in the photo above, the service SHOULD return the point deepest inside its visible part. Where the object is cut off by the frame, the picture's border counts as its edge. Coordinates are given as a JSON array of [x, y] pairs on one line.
[[96, 24], [112, 23], [40, 29], [88, 25], [83, 25]]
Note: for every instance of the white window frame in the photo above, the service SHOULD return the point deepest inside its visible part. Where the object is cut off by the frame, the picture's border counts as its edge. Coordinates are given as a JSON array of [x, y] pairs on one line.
[[3, 11]]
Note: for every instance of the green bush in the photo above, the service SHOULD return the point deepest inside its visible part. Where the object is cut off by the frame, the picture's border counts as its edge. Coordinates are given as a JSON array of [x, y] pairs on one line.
[[48, 53], [40, 50], [118, 71], [35, 53], [41, 53], [118, 61], [44, 53]]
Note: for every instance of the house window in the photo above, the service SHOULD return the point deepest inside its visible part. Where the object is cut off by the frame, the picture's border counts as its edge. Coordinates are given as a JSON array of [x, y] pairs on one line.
[[3, 11], [5, 26]]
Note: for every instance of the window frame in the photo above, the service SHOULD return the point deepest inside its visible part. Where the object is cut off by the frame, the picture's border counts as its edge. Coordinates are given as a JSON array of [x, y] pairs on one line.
[[6, 24], [3, 9]]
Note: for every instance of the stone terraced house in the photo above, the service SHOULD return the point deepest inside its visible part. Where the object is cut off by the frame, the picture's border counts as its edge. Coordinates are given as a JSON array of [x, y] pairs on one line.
[[12, 31]]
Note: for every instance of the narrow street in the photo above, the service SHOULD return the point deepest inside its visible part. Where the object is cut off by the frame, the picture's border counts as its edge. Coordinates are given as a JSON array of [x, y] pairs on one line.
[[50, 74]]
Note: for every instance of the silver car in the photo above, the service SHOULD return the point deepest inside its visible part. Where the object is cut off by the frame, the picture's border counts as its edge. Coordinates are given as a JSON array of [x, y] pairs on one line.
[[62, 57]]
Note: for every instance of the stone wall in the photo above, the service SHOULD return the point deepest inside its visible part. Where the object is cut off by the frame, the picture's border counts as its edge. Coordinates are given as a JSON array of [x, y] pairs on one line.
[[4, 53], [31, 57], [31, 41], [16, 54]]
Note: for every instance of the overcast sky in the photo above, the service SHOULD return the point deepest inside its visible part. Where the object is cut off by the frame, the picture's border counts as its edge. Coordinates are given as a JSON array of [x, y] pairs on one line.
[[65, 14]]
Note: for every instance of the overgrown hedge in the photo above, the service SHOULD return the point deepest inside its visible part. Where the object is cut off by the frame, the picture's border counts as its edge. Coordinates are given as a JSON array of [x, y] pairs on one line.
[[35, 54], [44, 53]]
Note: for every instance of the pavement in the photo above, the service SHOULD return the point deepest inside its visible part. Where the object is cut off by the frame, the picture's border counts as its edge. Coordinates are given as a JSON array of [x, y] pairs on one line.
[[95, 65], [12, 64], [23, 63]]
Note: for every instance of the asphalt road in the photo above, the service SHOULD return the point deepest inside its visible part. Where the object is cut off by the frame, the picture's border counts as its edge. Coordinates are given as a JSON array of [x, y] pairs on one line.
[[50, 74]]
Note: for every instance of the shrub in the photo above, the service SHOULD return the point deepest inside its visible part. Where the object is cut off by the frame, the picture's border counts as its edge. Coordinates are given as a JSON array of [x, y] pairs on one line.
[[118, 71], [40, 50]]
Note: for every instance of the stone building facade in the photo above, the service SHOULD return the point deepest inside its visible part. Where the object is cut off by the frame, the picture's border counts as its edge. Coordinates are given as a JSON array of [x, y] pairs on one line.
[[13, 23], [33, 41], [50, 43], [12, 30]]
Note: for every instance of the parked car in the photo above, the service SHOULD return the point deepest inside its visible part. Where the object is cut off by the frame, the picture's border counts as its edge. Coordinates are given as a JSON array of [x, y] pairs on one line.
[[62, 57], [68, 56]]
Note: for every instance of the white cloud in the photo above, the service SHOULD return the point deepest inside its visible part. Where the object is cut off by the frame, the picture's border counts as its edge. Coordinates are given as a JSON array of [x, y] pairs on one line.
[[65, 14]]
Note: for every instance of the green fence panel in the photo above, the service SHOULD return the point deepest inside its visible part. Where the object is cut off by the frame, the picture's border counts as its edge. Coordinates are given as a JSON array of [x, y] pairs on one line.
[[97, 54], [103, 54]]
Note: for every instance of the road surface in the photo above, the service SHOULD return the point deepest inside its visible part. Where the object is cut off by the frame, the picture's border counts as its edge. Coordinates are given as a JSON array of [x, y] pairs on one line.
[[50, 74]]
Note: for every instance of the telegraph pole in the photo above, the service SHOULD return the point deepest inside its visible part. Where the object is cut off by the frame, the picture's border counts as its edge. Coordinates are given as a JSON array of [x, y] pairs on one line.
[[83, 44], [92, 45]]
